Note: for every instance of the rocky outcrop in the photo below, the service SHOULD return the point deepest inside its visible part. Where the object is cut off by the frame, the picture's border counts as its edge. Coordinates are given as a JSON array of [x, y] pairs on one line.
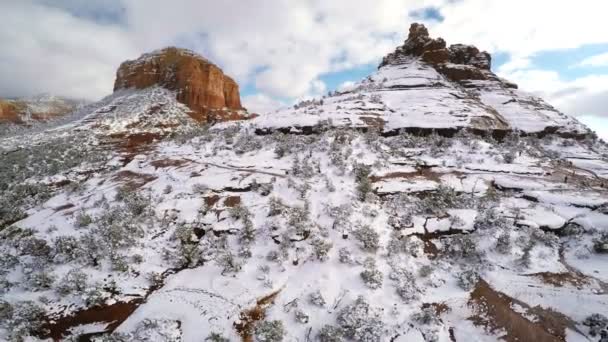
[[458, 62], [470, 55], [201, 85]]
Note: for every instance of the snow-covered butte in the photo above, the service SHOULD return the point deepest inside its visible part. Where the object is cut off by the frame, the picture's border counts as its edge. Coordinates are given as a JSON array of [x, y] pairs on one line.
[[199, 84], [425, 85]]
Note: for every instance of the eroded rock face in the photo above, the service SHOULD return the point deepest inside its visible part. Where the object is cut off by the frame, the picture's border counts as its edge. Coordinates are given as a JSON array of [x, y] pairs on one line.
[[201, 85], [458, 62]]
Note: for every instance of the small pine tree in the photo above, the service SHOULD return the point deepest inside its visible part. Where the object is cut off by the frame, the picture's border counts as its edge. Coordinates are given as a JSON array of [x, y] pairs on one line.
[[368, 237], [216, 337], [75, 281], [330, 333], [269, 331], [316, 298], [468, 279], [360, 322], [364, 185], [372, 277]]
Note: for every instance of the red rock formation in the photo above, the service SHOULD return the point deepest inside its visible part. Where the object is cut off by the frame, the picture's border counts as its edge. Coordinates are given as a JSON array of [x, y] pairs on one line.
[[200, 84], [9, 112], [458, 62], [37, 108]]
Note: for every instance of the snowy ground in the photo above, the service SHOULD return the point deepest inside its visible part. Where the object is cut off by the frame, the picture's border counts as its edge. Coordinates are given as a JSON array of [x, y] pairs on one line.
[[131, 221], [408, 223]]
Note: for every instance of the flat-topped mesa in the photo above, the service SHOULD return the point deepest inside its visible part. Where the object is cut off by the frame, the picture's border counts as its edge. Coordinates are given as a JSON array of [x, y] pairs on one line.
[[458, 62], [201, 85]]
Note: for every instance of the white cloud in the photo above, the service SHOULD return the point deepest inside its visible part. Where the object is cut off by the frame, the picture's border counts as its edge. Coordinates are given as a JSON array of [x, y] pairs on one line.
[[522, 27], [595, 61], [261, 103], [348, 85], [292, 43], [49, 50], [597, 124], [515, 63], [282, 47], [583, 96]]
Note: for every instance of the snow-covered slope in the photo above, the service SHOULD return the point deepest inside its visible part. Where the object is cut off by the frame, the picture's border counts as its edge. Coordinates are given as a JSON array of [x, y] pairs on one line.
[[413, 92], [408, 95], [127, 221]]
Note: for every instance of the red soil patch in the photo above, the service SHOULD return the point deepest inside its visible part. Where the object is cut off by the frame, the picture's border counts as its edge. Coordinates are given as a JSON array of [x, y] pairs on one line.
[[562, 279], [210, 201], [495, 312], [438, 308], [232, 201], [112, 314], [373, 121], [134, 180], [244, 326], [136, 142]]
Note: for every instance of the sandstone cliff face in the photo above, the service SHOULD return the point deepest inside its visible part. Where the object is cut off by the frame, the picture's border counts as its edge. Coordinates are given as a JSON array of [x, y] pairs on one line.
[[201, 85]]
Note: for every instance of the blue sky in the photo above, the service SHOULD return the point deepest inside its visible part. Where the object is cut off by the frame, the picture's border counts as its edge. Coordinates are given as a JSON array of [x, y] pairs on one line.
[[280, 51]]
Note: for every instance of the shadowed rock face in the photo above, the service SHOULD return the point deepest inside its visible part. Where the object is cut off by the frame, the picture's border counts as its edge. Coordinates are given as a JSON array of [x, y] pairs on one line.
[[200, 84]]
